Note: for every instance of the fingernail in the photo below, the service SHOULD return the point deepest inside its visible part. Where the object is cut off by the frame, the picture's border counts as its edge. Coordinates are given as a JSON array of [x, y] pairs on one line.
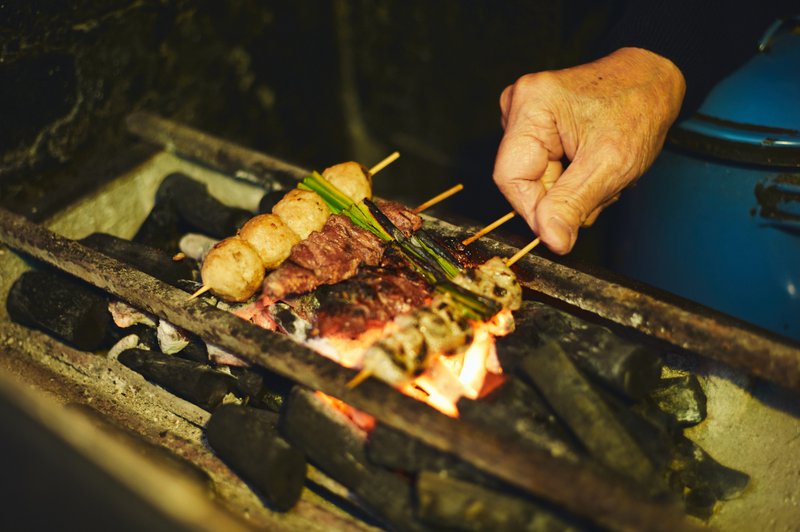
[[561, 231]]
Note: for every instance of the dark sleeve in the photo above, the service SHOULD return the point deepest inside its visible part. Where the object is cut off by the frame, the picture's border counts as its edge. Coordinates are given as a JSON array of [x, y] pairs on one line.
[[706, 39]]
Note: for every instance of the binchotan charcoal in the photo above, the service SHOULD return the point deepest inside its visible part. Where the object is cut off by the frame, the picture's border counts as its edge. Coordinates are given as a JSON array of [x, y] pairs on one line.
[[625, 366], [683, 399], [264, 389], [162, 229], [150, 260], [63, 307], [534, 423], [335, 445], [195, 382], [270, 199], [247, 439], [196, 350], [583, 410], [702, 480], [198, 209], [395, 450], [454, 504]]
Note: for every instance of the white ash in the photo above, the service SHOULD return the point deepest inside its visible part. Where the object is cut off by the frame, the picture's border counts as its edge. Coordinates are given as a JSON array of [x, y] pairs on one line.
[[196, 246], [219, 356], [171, 339], [128, 342], [125, 316]]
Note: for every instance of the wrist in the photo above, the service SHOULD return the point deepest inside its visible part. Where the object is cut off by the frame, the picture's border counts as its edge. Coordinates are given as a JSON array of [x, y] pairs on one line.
[[655, 69]]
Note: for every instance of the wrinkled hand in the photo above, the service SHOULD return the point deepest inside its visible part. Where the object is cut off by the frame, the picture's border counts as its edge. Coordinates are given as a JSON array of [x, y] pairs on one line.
[[609, 118]]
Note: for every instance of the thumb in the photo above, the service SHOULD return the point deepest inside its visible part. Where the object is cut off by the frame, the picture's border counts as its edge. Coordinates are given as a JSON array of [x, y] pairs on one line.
[[580, 190]]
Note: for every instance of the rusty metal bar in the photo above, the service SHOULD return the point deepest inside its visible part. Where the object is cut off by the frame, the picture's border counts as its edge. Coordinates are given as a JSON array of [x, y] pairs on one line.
[[681, 323], [225, 156], [678, 322], [581, 490]]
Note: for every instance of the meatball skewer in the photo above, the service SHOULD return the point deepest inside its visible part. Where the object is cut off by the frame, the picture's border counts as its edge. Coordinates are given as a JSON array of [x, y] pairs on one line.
[[272, 236]]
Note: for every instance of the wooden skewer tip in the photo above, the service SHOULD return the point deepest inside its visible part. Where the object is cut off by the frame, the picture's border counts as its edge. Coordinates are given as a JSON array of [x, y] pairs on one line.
[[203, 289], [489, 228], [384, 163], [522, 252], [439, 198], [362, 375]]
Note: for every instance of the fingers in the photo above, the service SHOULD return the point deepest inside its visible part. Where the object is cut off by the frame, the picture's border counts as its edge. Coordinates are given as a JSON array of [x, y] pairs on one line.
[[523, 167], [520, 164], [575, 198]]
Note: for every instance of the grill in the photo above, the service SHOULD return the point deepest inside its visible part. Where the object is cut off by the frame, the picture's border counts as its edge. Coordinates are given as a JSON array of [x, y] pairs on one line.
[[749, 376]]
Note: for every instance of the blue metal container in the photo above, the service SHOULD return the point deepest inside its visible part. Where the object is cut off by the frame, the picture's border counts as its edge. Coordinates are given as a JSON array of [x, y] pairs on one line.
[[717, 218]]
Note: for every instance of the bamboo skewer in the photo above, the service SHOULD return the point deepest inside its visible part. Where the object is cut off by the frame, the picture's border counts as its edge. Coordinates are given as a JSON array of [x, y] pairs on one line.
[[491, 227], [362, 375], [384, 163], [439, 198], [202, 290], [522, 252], [374, 170]]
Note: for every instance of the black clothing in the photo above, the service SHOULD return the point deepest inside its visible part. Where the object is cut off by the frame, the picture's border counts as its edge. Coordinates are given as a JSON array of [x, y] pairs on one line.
[[706, 39]]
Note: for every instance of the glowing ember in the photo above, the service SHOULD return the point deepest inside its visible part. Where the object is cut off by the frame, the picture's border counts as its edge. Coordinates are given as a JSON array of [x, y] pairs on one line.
[[361, 419], [447, 379]]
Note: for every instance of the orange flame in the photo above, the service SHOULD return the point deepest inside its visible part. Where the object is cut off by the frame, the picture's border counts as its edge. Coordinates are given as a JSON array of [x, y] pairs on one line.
[[361, 419], [447, 380]]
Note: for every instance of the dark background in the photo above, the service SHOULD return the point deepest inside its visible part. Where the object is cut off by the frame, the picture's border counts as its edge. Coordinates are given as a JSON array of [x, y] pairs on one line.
[[315, 82]]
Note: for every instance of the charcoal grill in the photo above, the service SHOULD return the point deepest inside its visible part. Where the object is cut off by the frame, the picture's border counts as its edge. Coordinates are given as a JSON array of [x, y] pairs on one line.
[[751, 377]]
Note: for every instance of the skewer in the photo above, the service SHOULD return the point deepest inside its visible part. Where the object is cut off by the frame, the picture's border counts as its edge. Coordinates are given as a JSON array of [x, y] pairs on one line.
[[439, 198], [374, 170], [522, 252], [491, 227], [202, 290], [384, 163], [362, 375]]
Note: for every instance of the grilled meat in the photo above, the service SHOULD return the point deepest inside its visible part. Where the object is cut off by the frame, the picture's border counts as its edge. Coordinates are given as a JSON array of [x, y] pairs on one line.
[[333, 254], [373, 297]]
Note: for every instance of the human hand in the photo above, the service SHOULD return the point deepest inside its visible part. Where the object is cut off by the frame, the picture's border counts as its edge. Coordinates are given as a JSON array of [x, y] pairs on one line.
[[609, 118]]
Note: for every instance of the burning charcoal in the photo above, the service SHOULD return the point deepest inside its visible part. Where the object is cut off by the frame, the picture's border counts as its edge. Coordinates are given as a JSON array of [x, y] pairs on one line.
[[454, 504], [150, 260], [393, 449], [576, 402], [534, 423], [195, 382], [702, 480], [337, 447], [60, 306], [629, 368], [682, 398], [199, 209], [247, 440]]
